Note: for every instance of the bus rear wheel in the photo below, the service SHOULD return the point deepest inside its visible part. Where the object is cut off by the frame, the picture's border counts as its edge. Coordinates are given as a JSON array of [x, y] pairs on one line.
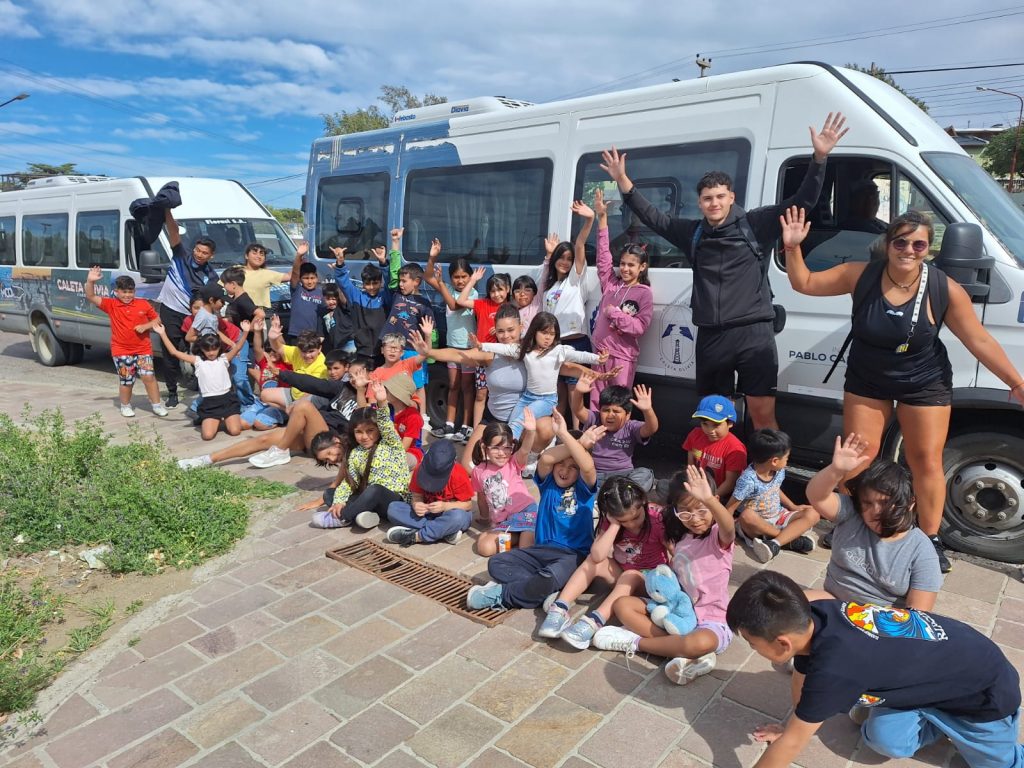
[[50, 351]]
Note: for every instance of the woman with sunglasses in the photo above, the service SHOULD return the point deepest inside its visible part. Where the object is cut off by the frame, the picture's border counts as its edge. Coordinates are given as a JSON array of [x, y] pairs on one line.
[[896, 354]]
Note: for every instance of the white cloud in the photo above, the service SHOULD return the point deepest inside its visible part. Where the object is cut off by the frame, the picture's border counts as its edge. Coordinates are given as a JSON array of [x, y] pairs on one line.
[[13, 23], [25, 129], [152, 134]]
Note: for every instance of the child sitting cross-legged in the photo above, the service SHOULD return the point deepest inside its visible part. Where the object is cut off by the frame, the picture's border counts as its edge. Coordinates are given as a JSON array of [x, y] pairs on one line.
[[702, 559], [523, 577], [441, 500], [630, 540], [768, 519]]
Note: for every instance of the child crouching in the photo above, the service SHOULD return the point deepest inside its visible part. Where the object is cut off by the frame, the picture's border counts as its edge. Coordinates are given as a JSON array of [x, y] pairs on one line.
[[441, 499]]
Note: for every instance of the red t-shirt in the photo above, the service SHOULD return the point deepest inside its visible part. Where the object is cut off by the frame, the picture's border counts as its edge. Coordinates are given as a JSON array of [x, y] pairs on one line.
[[458, 487], [721, 456], [123, 318], [265, 374], [409, 423], [485, 310], [226, 327]]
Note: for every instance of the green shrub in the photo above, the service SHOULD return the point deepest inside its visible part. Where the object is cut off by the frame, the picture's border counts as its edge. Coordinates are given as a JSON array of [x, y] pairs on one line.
[[25, 667]]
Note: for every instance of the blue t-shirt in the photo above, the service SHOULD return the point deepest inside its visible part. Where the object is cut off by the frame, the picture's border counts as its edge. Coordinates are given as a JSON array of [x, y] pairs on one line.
[[762, 496], [565, 516], [306, 310], [405, 316], [461, 322]]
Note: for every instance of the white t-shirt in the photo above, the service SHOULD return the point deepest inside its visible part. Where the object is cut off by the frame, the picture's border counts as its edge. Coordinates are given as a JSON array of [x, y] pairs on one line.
[[213, 376], [542, 370], [567, 301]]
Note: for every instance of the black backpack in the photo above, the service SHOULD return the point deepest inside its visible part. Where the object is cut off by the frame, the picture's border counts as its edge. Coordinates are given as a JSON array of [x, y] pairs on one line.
[[938, 300]]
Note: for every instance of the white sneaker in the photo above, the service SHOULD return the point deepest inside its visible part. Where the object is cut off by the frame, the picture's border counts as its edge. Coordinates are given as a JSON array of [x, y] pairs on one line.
[[159, 409], [367, 520], [531, 467], [195, 463], [681, 671], [127, 411], [271, 457], [454, 538], [616, 639]]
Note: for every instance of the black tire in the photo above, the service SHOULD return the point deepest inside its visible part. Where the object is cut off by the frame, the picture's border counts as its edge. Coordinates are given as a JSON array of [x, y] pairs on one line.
[[76, 352], [985, 482], [437, 394], [50, 351]]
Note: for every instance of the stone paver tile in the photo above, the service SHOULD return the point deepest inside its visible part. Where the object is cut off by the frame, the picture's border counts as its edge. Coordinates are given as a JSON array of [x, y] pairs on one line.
[[976, 612], [367, 639], [295, 679], [355, 690], [1015, 586], [492, 758], [437, 689], [679, 758], [236, 635], [454, 737], [293, 518], [1012, 609], [323, 754], [510, 693], [165, 636], [733, 658], [220, 721], [256, 572], [342, 583], [122, 661], [303, 576], [368, 601], [832, 745], [415, 611], [803, 570], [245, 601], [302, 635], [165, 749], [289, 731], [86, 745], [132, 683], [721, 735], [73, 712], [760, 687], [680, 702], [295, 605], [373, 734], [26, 761], [496, 647], [934, 754], [561, 652], [436, 640], [534, 741], [400, 759], [615, 742], [600, 686], [229, 756], [290, 536], [522, 620], [974, 581], [300, 554], [229, 672], [215, 590], [1009, 633]]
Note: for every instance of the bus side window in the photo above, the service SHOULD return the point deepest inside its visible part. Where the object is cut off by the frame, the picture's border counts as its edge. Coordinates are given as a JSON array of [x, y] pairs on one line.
[[7, 240], [667, 177], [98, 239], [44, 240], [351, 213]]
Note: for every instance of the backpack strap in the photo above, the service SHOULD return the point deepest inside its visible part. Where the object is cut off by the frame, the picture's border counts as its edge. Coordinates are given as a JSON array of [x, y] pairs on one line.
[[748, 234], [938, 295], [698, 232], [870, 276]]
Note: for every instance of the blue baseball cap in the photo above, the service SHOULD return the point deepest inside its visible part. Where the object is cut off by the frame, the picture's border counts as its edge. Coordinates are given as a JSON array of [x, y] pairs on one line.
[[716, 408]]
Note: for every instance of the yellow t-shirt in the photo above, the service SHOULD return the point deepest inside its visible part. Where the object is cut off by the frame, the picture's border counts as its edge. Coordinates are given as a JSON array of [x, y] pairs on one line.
[[258, 282], [317, 368]]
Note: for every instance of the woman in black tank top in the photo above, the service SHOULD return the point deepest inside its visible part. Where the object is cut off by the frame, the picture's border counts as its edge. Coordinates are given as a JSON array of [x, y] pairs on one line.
[[896, 355]]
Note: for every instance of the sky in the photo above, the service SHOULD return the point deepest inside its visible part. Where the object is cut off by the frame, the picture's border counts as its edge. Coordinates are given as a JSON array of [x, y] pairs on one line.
[[236, 90]]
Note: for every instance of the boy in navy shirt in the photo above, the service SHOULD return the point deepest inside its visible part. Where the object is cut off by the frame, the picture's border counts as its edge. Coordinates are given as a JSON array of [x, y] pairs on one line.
[[368, 304], [307, 297]]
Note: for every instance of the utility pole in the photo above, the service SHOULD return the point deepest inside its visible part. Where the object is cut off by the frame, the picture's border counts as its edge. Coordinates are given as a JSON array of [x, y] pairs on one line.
[[1016, 139]]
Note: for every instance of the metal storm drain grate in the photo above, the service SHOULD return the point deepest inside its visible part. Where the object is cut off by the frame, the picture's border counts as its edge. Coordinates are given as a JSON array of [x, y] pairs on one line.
[[439, 585]]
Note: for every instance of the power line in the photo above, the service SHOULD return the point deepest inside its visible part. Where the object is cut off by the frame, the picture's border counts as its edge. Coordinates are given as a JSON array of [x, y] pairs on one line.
[[950, 69]]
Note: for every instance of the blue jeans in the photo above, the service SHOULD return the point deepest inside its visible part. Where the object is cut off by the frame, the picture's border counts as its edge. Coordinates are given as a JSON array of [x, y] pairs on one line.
[[901, 733], [539, 405], [431, 527], [240, 377]]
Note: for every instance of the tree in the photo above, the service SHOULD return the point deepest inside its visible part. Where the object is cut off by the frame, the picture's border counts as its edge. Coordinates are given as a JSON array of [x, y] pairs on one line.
[[43, 169], [397, 97], [998, 154], [287, 215], [880, 73]]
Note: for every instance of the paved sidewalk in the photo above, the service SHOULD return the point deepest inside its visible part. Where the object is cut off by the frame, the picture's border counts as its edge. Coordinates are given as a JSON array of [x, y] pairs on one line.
[[280, 656]]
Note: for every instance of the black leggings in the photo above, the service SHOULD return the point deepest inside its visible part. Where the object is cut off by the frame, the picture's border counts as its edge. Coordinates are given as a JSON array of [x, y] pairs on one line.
[[172, 366], [375, 498]]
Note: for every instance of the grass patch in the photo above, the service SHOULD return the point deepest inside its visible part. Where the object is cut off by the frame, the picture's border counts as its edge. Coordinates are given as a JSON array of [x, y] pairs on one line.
[[68, 485], [25, 666]]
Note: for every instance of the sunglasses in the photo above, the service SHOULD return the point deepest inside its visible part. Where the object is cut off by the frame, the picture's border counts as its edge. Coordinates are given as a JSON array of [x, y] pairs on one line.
[[901, 243], [685, 515]]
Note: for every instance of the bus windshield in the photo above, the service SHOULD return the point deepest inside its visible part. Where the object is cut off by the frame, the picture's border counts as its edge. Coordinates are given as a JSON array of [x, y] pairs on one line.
[[232, 235], [995, 209]]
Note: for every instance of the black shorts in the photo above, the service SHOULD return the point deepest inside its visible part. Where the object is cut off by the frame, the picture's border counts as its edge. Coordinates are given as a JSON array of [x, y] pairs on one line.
[[936, 393], [490, 418], [219, 406], [747, 351]]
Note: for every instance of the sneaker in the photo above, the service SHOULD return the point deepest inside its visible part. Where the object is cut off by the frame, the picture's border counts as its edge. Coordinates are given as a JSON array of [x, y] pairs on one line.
[[556, 622], [859, 714], [826, 541], [944, 565], [172, 400], [681, 671], [801, 545], [367, 520], [764, 549], [195, 463], [454, 538], [447, 432], [406, 537], [127, 411], [581, 633], [464, 434], [483, 596], [616, 639], [158, 409], [271, 457], [530, 467]]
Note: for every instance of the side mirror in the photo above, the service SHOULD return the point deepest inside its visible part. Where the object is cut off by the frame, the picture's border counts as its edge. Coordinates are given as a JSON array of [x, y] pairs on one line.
[[152, 267], [961, 257]]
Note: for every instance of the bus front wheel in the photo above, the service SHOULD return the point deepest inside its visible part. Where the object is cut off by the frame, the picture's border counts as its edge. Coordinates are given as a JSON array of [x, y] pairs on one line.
[[50, 351]]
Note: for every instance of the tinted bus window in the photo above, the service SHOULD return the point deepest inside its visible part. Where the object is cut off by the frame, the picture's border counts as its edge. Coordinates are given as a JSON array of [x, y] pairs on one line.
[[44, 240], [351, 213], [6, 240], [98, 239], [667, 176], [495, 212]]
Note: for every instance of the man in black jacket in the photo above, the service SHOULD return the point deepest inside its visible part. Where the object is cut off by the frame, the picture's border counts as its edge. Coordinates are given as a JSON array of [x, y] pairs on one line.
[[731, 299]]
